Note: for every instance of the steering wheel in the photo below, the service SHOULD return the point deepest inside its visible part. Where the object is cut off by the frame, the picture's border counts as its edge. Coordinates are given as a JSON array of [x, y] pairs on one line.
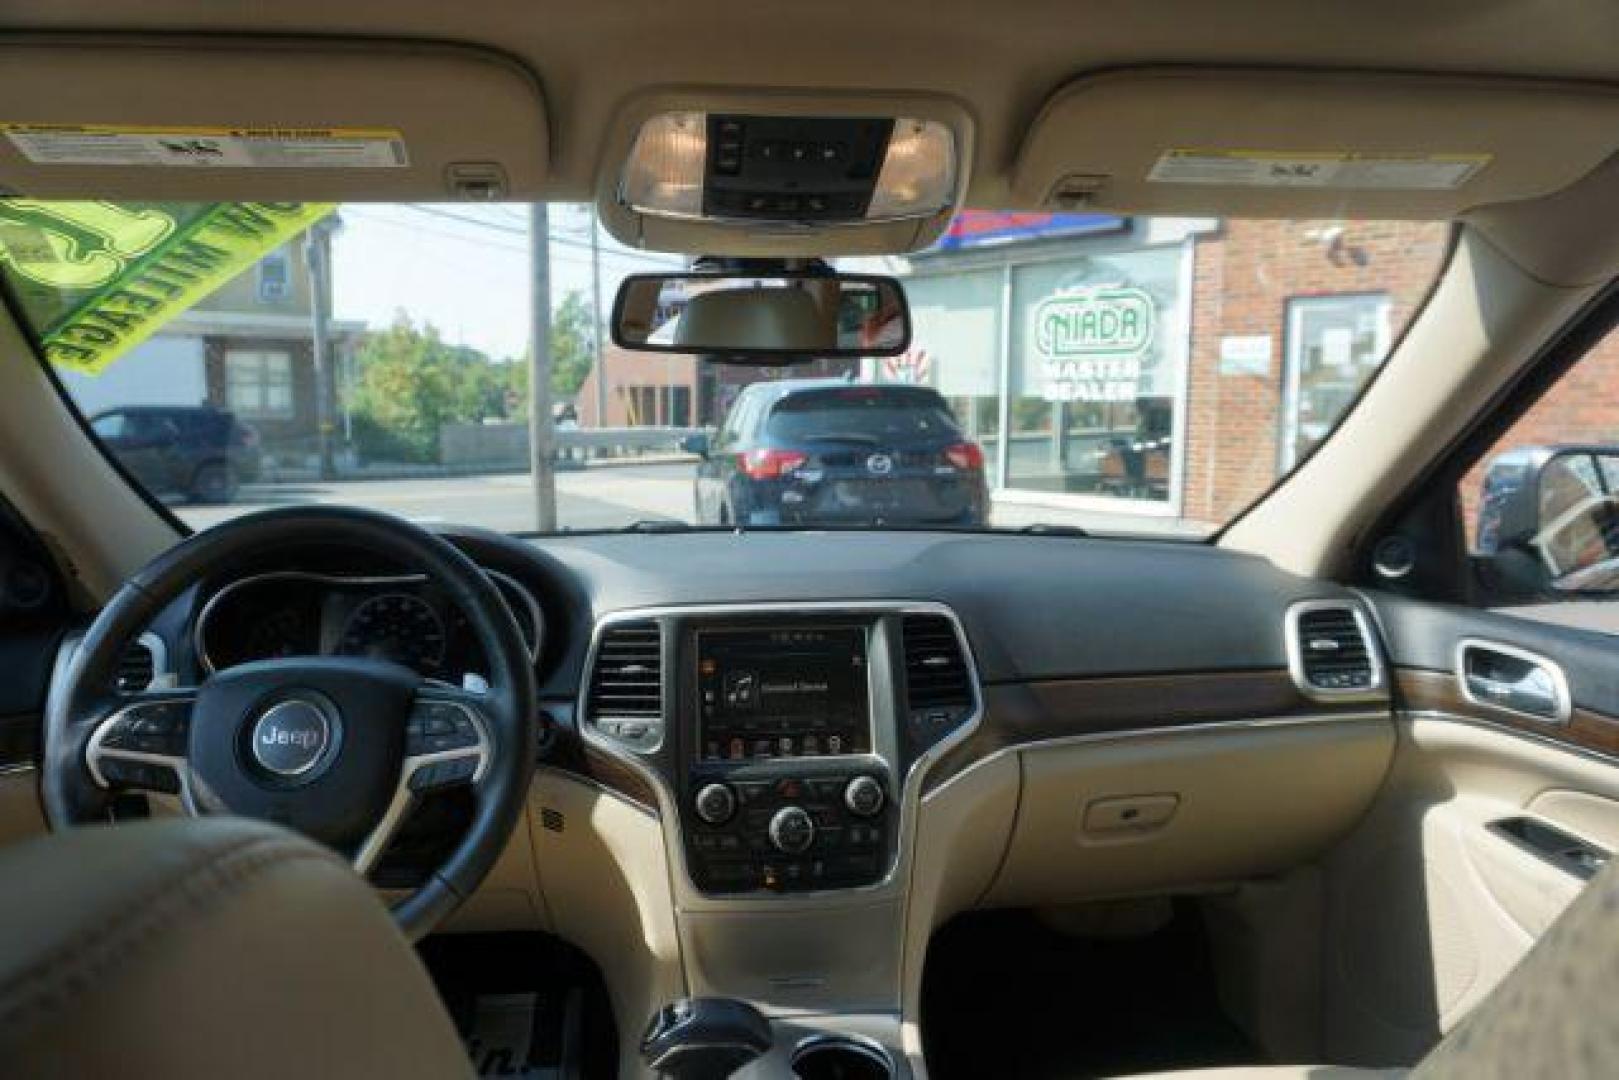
[[338, 748]]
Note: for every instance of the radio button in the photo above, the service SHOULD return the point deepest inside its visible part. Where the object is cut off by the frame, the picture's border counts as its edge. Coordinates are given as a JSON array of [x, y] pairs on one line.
[[715, 804], [792, 830], [864, 796]]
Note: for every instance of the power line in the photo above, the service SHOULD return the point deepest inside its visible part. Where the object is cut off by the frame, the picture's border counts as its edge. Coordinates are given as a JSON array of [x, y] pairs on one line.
[[623, 256], [512, 230]]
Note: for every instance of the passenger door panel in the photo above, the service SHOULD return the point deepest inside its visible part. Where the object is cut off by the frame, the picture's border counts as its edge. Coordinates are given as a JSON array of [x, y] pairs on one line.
[[1434, 898]]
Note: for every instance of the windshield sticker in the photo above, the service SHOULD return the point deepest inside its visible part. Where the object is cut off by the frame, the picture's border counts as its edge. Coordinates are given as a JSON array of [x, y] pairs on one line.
[[99, 278], [1090, 342], [209, 147], [1363, 171]]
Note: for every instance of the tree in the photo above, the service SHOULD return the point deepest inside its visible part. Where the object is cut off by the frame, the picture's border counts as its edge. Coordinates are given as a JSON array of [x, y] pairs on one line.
[[573, 344], [410, 383], [404, 392]]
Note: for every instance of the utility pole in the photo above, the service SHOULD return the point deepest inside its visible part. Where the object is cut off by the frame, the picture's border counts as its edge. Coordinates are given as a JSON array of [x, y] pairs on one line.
[[318, 253], [596, 320], [541, 425]]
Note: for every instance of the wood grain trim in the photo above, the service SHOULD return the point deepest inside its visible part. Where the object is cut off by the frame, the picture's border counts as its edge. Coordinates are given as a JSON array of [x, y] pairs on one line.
[[615, 776], [1422, 690], [1016, 714]]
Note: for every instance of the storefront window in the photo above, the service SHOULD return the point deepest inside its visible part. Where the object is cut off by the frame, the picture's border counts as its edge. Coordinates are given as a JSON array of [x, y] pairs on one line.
[[1334, 344], [1098, 358], [956, 321], [1159, 374]]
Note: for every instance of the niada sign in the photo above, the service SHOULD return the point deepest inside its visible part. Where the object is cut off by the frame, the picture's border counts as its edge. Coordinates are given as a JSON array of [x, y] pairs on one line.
[[1090, 342]]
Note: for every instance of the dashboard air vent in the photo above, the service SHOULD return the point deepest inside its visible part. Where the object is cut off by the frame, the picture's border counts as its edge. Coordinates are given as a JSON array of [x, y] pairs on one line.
[[627, 683], [1333, 649], [936, 677], [136, 668]]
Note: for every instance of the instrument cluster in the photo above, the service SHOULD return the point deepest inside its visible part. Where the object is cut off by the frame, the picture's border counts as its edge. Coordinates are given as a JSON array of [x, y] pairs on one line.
[[403, 618]]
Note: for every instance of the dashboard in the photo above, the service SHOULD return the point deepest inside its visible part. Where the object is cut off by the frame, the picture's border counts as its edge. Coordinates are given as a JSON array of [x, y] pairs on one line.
[[397, 617], [782, 702]]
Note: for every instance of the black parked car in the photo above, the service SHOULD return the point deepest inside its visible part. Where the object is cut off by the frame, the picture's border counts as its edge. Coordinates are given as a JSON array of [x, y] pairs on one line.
[[828, 452], [197, 451]]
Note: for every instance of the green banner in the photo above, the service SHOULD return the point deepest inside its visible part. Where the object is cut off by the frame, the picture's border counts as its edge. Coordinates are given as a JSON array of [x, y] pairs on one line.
[[95, 279]]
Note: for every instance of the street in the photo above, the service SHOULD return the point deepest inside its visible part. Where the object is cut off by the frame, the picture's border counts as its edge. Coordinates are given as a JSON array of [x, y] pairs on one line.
[[599, 497], [595, 498]]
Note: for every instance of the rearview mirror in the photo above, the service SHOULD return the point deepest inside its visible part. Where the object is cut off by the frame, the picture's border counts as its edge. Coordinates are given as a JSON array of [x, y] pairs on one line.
[[1548, 517], [766, 319]]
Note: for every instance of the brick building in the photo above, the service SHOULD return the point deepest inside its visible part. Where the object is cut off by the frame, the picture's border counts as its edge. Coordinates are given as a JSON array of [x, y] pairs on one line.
[[1164, 368]]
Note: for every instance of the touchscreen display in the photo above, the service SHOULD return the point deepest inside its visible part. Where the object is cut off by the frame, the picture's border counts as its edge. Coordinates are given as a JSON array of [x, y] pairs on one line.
[[782, 693]]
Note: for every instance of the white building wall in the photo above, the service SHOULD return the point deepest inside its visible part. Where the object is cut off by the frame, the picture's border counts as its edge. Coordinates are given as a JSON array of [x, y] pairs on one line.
[[166, 369]]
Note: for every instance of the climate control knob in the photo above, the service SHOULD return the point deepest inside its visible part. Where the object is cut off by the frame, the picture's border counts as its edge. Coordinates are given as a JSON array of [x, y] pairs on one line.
[[792, 830], [715, 804], [864, 796]]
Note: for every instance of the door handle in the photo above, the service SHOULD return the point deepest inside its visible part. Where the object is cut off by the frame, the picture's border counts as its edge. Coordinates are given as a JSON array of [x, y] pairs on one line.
[[1504, 677]]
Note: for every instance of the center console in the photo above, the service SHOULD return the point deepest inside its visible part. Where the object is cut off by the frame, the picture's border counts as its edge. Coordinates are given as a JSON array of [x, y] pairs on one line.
[[784, 735], [784, 747], [784, 790]]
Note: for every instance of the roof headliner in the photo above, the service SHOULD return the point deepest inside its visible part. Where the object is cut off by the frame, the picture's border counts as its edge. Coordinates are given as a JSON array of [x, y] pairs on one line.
[[1002, 60]]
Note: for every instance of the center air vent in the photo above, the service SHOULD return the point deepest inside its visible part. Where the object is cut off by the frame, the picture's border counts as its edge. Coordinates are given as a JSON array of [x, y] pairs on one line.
[[1331, 649], [626, 685], [136, 668], [938, 687]]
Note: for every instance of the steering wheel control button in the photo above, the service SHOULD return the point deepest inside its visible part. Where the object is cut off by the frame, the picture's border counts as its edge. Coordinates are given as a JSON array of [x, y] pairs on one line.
[[291, 738], [443, 774], [792, 830], [146, 775], [160, 728], [436, 727], [715, 804], [864, 796]]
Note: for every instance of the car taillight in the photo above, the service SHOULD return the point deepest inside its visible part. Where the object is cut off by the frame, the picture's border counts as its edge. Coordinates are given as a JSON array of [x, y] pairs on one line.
[[765, 464], [966, 456]]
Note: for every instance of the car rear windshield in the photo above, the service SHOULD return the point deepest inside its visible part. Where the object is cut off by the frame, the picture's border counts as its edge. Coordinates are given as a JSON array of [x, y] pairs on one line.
[[862, 414]]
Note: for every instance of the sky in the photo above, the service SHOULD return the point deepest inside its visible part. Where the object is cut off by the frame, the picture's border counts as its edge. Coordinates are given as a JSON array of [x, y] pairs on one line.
[[465, 268]]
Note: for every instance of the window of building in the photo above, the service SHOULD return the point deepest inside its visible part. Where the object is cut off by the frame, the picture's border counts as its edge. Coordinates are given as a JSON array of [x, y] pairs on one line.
[[258, 383], [680, 406], [275, 278], [1334, 344]]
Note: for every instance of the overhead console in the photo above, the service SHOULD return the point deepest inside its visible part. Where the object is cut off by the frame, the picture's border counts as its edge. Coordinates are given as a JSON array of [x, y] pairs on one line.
[[784, 175], [791, 736]]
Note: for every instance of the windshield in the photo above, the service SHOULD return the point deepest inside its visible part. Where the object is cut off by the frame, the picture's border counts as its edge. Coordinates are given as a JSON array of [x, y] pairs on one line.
[[1118, 375]]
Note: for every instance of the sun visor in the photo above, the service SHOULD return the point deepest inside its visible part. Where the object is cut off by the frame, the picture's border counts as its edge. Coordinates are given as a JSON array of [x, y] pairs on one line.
[[205, 120], [1282, 144]]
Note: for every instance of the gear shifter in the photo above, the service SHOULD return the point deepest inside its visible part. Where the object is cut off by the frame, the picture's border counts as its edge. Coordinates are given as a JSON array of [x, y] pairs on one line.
[[704, 1038]]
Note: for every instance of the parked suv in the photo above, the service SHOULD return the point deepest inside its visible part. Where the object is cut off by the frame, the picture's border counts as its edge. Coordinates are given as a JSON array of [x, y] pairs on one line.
[[828, 452], [197, 451]]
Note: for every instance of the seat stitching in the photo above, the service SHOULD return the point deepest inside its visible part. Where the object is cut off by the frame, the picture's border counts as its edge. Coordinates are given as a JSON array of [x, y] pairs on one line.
[[55, 981]]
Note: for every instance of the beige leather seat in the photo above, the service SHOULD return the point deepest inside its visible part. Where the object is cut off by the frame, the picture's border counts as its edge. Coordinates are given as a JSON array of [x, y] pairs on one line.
[[1555, 1015], [207, 948]]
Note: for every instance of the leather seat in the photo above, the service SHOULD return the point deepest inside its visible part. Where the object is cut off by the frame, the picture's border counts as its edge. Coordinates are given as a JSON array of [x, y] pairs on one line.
[[207, 948], [1556, 1014]]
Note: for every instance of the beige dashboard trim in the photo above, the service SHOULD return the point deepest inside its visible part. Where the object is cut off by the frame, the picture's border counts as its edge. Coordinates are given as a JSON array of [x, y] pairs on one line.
[[1260, 723]]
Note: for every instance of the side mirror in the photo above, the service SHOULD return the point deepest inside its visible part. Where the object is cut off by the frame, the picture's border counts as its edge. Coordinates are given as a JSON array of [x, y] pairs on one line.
[[764, 319], [695, 444], [1548, 519]]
